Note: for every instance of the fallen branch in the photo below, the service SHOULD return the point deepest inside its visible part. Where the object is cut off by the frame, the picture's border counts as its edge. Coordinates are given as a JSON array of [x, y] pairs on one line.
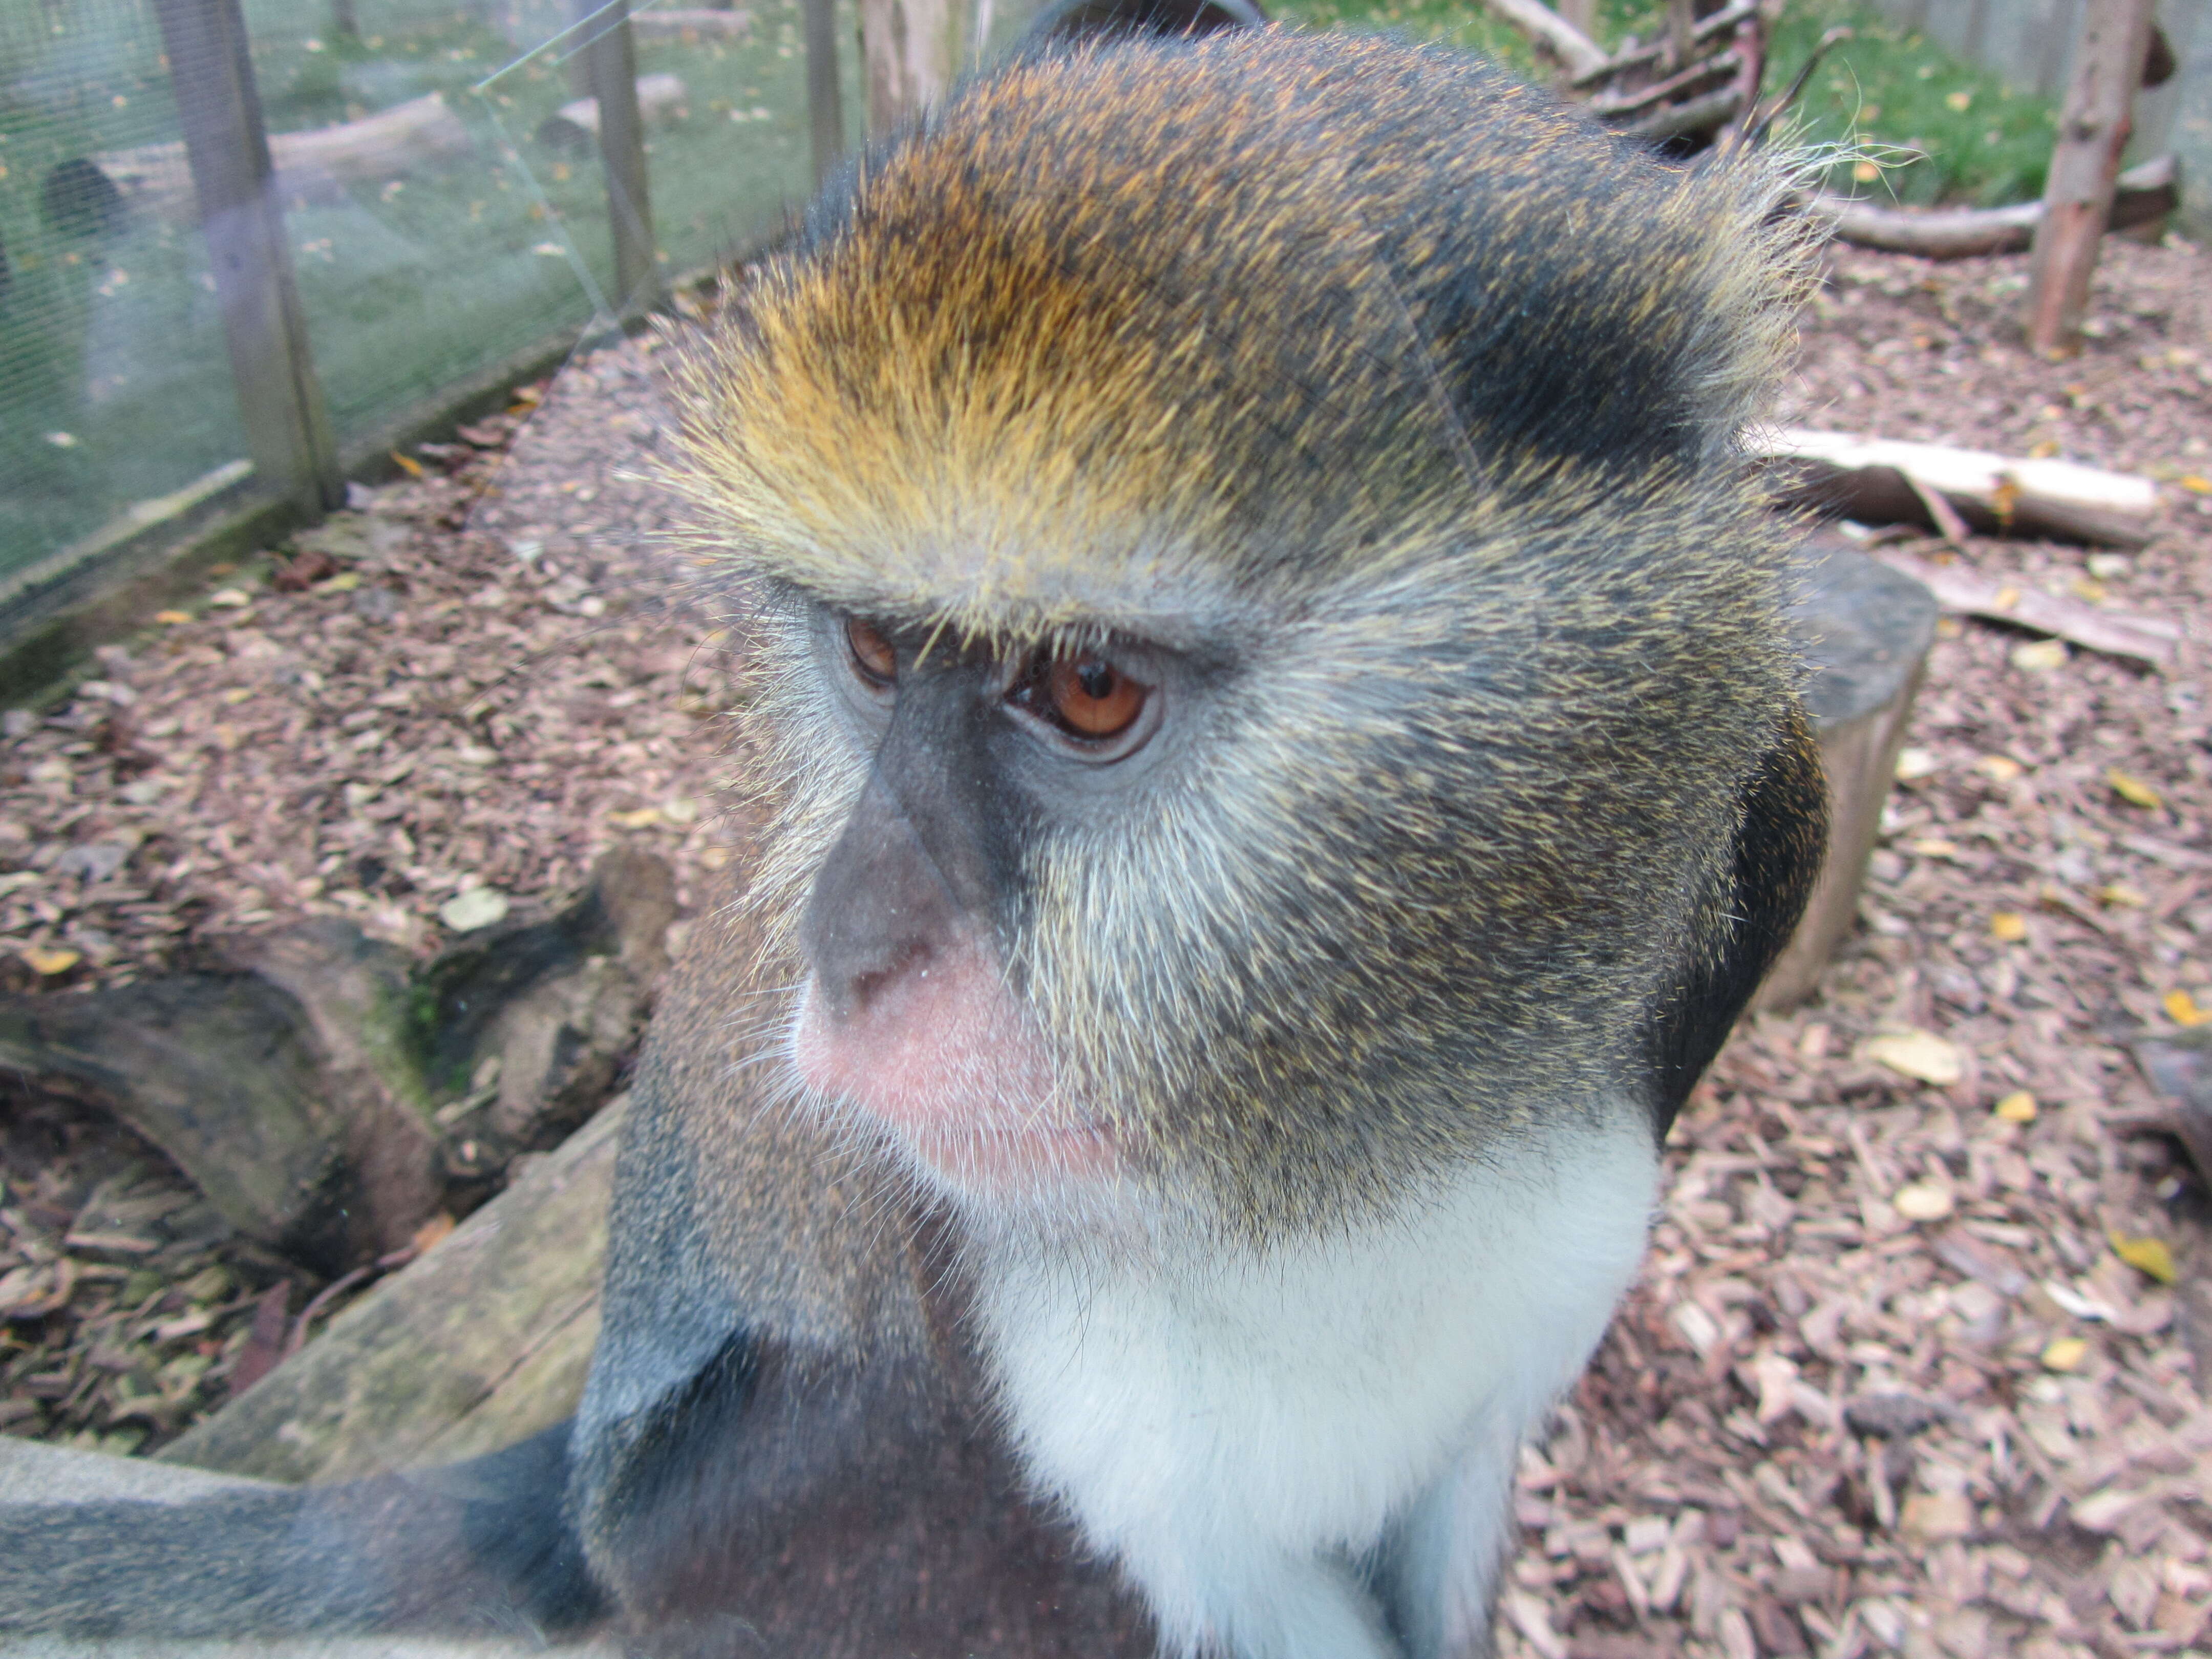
[[2143, 638], [1583, 58], [1696, 116], [2145, 193], [575, 126], [1707, 28], [1879, 481]]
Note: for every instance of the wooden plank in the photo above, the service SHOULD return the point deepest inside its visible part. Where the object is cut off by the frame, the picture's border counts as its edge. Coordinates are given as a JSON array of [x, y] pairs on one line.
[[483, 1342], [825, 110], [609, 55], [2085, 166], [288, 424]]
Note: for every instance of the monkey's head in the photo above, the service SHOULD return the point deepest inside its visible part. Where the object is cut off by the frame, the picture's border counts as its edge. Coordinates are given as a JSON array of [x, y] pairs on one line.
[[1268, 630]]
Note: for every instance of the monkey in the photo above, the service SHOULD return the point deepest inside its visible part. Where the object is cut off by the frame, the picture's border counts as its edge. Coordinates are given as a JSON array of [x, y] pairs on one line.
[[1280, 765]]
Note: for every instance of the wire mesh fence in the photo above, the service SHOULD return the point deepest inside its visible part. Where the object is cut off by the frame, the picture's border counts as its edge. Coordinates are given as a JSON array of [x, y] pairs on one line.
[[441, 196]]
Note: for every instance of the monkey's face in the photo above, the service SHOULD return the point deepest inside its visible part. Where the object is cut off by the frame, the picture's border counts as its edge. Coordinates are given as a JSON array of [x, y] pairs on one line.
[[1270, 632]]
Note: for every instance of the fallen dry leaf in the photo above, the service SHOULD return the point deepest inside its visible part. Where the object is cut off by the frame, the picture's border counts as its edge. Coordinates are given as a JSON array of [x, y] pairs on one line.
[[1916, 1054]]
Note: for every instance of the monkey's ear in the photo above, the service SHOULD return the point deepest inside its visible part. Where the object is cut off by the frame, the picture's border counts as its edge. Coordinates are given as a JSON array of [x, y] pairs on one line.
[[1741, 927]]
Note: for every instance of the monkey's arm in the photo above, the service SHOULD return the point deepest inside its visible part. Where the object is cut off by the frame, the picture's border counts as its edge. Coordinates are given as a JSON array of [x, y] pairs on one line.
[[480, 1545], [1742, 926]]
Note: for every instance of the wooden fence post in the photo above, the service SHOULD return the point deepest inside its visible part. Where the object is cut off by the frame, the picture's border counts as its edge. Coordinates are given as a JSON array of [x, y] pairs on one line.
[[910, 50], [2092, 131], [280, 400], [610, 66], [825, 106]]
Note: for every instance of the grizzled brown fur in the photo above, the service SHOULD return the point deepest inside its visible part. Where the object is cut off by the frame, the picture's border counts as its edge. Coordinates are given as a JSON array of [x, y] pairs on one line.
[[1415, 396]]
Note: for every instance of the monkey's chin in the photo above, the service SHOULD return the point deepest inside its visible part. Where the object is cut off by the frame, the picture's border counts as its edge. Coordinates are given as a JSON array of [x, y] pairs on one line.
[[951, 1066]]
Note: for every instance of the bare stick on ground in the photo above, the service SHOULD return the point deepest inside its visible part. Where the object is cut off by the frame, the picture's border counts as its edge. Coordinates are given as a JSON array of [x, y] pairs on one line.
[[1890, 481]]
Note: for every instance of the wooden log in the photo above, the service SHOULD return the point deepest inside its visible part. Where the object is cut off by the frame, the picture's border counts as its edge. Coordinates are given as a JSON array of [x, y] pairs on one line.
[[1872, 479], [575, 126], [484, 1341], [1865, 630], [222, 1072], [319, 166], [690, 24], [2077, 198], [2142, 194], [910, 50]]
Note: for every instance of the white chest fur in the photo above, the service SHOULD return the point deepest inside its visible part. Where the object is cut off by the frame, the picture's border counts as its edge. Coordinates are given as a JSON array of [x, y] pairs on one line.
[[1240, 1431]]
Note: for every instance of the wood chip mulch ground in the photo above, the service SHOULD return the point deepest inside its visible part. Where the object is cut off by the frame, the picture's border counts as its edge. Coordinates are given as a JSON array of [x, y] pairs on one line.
[[1906, 1372]]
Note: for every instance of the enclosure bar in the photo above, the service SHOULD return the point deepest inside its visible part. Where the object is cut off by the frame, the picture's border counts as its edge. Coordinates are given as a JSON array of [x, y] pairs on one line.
[[280, 400], [2085, 166], [825, 108], [610, 66]]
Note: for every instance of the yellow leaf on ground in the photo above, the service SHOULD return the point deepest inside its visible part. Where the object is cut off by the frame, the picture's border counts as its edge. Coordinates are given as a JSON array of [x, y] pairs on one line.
[[431, 1231], [52, 959], [171, 618], [230, 599], [2181, 1008], [2065, 1354], [1914, 763], [2009, 926], [2149, 1255], [2197, 483], [2039, 656], [1919, 1054], [2134, 790], [2000, 769], [2018, 1107], [1922, 1201], [2121, 895], [408, 464], [643, 817]]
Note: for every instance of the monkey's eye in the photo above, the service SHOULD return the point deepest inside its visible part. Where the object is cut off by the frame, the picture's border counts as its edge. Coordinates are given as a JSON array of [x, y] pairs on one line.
[[873, 660], [1085, 696]]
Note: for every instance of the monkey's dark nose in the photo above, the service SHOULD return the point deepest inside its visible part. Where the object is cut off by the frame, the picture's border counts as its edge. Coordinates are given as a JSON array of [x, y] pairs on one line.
[[882, 907]]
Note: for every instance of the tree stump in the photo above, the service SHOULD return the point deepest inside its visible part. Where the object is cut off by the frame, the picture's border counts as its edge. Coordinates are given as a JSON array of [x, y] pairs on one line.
[[1865, 630]]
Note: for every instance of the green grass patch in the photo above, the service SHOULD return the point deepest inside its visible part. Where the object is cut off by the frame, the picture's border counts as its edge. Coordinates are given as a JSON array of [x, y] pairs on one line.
[[1888, 91]]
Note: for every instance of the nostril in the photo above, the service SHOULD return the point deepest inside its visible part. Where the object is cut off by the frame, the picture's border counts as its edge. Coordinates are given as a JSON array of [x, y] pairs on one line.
[[866, 987]]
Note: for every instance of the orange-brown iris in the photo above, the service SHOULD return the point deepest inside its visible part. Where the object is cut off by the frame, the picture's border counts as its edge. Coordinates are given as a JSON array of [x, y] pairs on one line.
[[1091, 698], [872, 652]]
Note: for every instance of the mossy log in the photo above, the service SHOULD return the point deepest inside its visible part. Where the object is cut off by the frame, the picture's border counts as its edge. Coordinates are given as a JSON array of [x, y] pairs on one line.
[[480, 1342], [328, 1096]]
